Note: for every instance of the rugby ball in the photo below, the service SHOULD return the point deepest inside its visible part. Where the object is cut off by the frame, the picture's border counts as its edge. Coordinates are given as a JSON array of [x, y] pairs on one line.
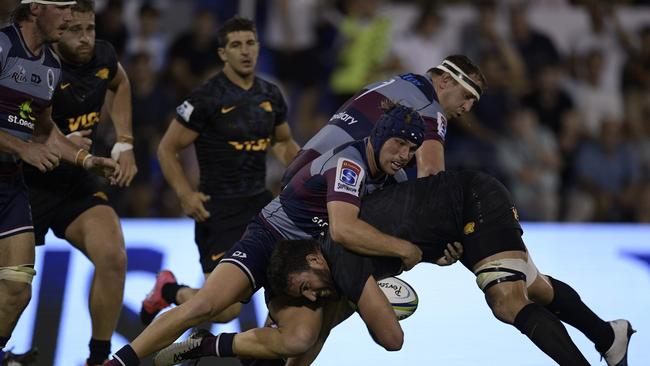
[[400, 295]]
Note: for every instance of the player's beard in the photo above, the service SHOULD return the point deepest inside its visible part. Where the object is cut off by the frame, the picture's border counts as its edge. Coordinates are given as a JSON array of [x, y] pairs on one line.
[[326, 277], [70, 55]]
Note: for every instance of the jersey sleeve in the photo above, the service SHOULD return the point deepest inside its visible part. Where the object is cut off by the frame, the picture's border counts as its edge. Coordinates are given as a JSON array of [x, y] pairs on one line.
[[345, 181], [435, 127], [107, 53], [280, 107], [196, 110]]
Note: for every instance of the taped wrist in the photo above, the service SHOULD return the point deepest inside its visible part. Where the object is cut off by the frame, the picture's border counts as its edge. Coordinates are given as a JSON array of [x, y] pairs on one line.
[[119, 148]]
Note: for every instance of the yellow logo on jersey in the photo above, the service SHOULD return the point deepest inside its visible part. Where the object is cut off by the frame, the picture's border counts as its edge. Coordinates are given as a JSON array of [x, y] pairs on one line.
[[225, 110], [83, 122], [469, 228], [25, 110], [101, 195], [64, 85], [251, 145], [102, 74], [266, 105], [515, 213]]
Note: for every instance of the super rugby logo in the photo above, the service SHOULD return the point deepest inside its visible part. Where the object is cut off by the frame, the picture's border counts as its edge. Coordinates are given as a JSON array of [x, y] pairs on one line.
[[349, 176], [185, 110]]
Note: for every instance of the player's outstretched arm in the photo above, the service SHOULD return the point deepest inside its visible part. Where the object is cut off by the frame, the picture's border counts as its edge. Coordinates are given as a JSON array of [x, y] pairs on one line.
[[285, 147], [358, 236], [119, 107]]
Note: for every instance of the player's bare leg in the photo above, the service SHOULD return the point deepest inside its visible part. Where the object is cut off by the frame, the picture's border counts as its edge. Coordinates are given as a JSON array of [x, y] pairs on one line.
[[97, 234]]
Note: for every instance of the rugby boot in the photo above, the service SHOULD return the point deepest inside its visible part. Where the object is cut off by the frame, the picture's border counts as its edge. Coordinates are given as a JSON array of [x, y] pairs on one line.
[[154, 302], [189, 349], [20, 359], [616, 355]]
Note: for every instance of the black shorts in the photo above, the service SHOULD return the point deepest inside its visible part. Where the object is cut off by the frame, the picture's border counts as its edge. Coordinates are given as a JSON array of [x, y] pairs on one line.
[[57, 204], [253, 252], [226, 225], [15, 215], [490, 219]]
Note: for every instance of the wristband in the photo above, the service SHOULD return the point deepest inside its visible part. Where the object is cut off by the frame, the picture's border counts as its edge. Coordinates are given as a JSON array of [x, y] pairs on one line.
[[80, 157], [120, 147]]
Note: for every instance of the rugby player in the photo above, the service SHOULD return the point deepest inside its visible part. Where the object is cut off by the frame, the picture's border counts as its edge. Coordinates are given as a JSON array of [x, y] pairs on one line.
[[71, 201], [30, 74], [323, 196]]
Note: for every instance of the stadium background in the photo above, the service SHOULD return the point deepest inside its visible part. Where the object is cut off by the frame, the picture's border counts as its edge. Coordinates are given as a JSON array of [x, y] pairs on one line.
[[564, 124]]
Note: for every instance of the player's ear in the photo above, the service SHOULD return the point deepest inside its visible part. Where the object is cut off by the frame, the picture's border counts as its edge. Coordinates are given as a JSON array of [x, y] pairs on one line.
[[222, 53], [314, 258]]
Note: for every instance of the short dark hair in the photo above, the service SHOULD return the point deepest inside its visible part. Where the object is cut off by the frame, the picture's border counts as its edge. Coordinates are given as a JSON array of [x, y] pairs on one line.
[[466, 65], [84, 6], [289, 256], [22, 13], [234, 24]]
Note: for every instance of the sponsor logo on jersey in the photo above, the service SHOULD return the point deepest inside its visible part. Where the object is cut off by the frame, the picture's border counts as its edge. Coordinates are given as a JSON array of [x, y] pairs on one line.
[[442, 126], [25, 111], [50, 81], [320, 222], [225, 110], [101, 195], [185, 110], [239, 254], [266, 106], [515, 213], [19, 76], [64, 85], [83, 122], [345, 118], [36, 79], [216, 257], [349, 176], [102, 73], [25, 116], [251, 145]]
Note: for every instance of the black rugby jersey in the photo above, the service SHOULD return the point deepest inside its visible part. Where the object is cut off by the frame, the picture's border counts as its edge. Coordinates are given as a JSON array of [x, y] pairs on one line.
[[79, 98], [427, 211], [235, 128], [76, 105]]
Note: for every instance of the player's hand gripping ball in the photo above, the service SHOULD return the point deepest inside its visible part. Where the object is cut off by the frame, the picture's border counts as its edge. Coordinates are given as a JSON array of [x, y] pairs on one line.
[[400, 295]]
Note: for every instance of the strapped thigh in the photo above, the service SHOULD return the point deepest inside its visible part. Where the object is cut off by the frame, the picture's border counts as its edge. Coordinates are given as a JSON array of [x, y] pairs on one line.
[[504, 270], [22, 273]]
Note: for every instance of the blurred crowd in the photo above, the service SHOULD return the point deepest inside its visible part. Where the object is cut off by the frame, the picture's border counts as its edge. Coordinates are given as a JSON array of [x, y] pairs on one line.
[[564, 122]]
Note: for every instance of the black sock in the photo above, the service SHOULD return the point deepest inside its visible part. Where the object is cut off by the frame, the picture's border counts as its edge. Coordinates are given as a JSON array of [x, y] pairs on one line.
[[169, 291], [549, 335], [99, 351], [127, 356], [224, 343], [568, 306]]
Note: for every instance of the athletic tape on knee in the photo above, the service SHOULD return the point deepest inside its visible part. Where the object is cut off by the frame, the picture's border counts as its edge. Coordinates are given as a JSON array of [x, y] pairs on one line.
[[23, 273], [502, 270]]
